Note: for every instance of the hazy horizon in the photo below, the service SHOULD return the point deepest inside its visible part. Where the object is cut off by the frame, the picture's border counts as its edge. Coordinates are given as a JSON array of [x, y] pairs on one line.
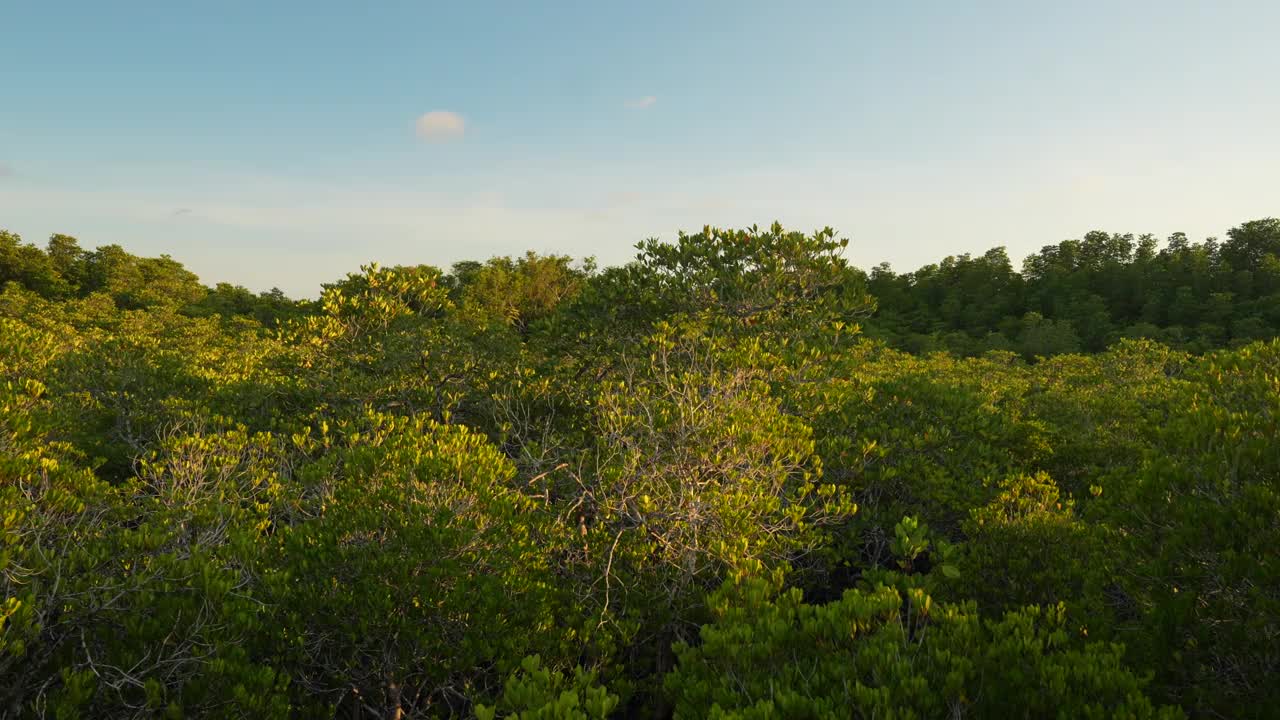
[[285, 146]]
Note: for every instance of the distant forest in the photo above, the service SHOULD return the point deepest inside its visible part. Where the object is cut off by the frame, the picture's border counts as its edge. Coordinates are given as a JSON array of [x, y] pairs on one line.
[[1077, 296], [734, 478], [1082, 295]]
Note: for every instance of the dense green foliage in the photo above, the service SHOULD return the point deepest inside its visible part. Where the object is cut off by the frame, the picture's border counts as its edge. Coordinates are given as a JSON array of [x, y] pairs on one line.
[[689, 486], [1083, 295]]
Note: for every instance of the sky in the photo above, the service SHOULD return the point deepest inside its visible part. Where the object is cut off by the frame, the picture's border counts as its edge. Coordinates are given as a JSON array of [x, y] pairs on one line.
[[286, 143]]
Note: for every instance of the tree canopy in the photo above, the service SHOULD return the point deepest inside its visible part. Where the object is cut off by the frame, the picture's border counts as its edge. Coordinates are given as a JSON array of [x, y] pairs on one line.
[[735, 477]]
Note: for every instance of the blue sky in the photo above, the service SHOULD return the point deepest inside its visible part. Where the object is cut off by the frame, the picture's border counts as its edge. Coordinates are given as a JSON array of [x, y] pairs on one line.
[[283, 143]]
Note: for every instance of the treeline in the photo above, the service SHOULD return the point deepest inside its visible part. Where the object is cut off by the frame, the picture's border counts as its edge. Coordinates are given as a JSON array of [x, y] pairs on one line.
[[63, 270], [1077, 296], [684, 487], [1083, 295]]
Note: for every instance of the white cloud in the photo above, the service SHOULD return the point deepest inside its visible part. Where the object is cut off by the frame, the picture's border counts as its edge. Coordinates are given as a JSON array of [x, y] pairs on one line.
[[5, 171], [439, 125], [641, 103]]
